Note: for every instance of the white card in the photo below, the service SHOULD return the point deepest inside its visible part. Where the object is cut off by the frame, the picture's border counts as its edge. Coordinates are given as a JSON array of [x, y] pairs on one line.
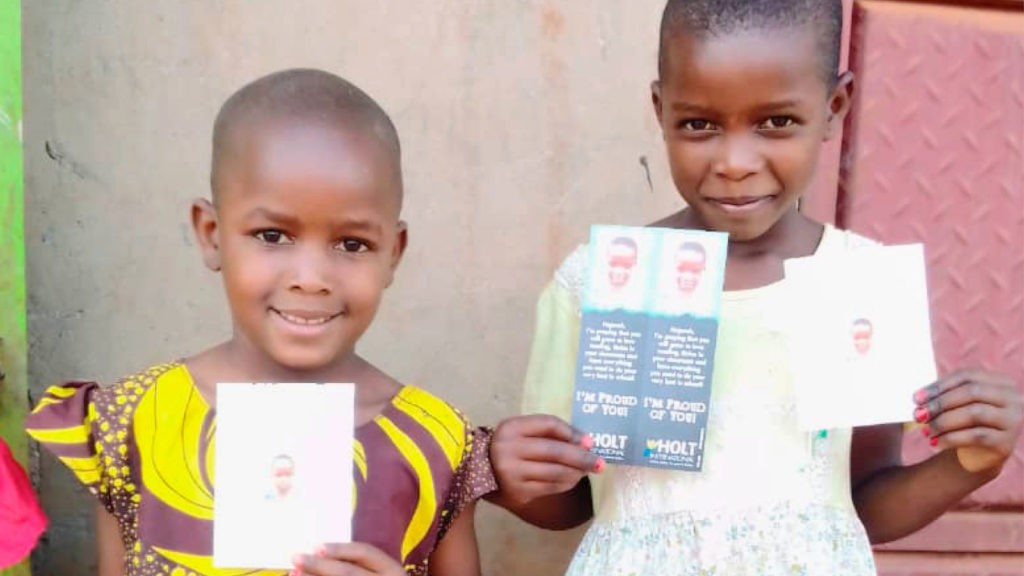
[[283, 471], [862, 344]]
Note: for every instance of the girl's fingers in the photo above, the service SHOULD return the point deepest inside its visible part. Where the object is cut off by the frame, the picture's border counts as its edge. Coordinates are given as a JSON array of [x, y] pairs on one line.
[[365, 556], [990, 438], [967, 416], [536, 489], [543, 426], [943, 384], [319, 566], [550, 473], [546, 451], [960, 389]]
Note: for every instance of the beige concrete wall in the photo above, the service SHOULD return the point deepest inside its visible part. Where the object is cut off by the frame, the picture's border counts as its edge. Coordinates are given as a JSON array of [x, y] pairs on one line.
[[522, 121]]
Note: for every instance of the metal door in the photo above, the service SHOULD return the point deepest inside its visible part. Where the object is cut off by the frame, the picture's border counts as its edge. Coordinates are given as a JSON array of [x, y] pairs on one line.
[[933, 153]]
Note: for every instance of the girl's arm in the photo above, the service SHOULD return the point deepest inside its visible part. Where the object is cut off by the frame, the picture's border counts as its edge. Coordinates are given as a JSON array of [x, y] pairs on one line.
[[966, 409], [540, 461], [109, 550], [893, 500], [555, 511], [457, 553]]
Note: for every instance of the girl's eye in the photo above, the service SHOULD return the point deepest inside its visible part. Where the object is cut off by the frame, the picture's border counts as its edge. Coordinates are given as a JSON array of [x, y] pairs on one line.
[[353, 245], [778, 123], [696, 125], [273, 237]]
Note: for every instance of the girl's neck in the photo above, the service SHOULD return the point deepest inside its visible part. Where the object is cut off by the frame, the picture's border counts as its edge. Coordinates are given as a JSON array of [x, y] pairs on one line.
[[794, 235], [235, 361], [241, 358], [759, 262]]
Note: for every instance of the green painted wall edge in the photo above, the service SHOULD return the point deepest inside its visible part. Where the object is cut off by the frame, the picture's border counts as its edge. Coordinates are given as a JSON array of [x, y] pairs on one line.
[[14, 344]]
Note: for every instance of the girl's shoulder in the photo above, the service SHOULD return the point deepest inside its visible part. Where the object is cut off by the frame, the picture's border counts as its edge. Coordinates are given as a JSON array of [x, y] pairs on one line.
[[445, 431], [571, 274], [429, 435], [836, 241], [81, 402], [90, 428], [430, 412]]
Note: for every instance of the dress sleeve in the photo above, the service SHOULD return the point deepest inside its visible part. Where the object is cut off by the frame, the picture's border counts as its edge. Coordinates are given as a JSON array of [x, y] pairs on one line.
[[551, 371], [66, 423], [474, 478]]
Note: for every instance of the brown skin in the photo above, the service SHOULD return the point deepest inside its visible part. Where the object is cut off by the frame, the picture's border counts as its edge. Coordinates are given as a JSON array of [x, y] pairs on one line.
[[306, 226], [743, 119], [109, 549], [541, 464]]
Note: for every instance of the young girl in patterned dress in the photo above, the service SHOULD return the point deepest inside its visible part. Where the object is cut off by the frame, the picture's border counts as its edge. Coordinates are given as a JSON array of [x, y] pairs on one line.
[[304, 228], [747, 92]]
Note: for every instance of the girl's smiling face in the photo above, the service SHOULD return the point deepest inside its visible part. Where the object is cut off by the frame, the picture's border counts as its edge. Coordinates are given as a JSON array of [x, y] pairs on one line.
[[307, 236], [743, 117]]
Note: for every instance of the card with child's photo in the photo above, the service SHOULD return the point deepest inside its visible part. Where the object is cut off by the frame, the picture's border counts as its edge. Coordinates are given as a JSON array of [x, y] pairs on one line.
[[647, 344], [283, 471], [863, 342]]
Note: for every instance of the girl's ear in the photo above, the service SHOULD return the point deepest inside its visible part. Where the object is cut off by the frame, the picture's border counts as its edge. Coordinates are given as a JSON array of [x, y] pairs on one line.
[[399, 250], [656, 100], [839, 104], [207, 230]]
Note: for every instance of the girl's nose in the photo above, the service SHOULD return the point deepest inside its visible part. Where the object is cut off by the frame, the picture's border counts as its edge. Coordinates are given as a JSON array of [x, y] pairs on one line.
[[739, 158], [310, 272]]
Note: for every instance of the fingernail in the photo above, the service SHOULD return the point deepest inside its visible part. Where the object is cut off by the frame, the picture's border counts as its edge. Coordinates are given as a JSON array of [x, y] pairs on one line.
[[921, 414], [921, 396], [297, 560], [934, 441], [927, 431], [599, 465], [293, 573], [587, 442]]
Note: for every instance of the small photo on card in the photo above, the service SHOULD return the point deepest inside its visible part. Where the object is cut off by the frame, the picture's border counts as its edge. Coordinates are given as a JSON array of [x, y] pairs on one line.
[[620, 263], [691, 273], [862, 343], [283, 471]]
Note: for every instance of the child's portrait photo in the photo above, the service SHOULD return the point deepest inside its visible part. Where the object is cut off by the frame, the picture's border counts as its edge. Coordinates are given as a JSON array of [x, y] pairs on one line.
[[691, 259], [622, 258], [618, 273], [686, 279], [861, 332], [282, 474]]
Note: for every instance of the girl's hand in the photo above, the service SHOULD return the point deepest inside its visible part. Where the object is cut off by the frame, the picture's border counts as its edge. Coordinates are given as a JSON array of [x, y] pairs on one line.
[[353, 559], [979, 413], [537, 456]]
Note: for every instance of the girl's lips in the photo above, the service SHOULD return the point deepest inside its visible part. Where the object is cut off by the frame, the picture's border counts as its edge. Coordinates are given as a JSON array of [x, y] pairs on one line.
[[739, 205], [305, 317]]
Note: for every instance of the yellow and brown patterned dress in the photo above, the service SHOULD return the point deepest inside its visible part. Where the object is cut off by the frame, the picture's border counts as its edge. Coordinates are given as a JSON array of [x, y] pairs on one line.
[[145, 448]]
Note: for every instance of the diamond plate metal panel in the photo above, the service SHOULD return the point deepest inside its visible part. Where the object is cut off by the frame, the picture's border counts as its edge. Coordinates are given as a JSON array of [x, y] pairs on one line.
[[933, 153]]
